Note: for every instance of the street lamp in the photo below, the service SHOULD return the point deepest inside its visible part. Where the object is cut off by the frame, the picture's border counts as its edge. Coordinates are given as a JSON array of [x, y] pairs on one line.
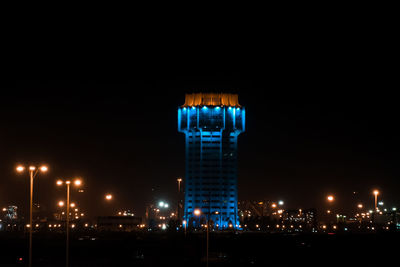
[[376, 193], [179, 184], [179, 180], [77, 182], [108, 197], [197, 212], [33, 171], [330, 199]]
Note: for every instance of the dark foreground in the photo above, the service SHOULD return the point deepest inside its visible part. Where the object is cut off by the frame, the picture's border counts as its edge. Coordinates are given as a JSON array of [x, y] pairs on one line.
[[163, 249]]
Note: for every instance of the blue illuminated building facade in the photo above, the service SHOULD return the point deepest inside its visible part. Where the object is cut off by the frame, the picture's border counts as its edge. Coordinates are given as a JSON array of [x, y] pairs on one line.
[[211, 124]]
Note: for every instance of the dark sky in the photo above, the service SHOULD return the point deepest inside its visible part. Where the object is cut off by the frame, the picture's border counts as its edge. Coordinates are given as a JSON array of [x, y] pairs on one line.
[[303, 139], [320, 96]]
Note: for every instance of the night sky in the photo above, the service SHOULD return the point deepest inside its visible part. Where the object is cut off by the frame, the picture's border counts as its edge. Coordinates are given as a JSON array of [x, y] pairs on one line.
[[306, 136]]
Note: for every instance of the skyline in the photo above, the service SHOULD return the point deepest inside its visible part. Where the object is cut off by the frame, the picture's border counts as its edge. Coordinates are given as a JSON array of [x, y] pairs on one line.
[[297, 147]]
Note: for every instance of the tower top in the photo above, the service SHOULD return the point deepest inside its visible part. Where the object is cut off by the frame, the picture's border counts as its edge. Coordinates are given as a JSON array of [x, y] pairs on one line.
[[211, 99]]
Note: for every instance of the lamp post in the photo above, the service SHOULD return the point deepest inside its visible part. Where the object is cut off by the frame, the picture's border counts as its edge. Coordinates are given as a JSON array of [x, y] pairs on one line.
[[179, 184], [376, 193], [330, 199], [77, 182], [197, 212], [184, 226], [33, 171], [360, 206], [179, 180]]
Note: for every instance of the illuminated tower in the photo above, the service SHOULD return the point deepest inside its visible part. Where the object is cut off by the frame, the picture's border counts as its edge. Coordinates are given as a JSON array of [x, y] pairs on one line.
[[211, 123]]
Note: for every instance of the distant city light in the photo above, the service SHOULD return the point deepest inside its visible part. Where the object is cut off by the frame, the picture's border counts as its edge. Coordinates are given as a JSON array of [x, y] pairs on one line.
[[163, 204], [109, 197]]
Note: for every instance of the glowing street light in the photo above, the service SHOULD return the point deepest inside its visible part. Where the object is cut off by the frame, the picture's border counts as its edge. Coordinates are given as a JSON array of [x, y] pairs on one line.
[[108, 197], [376, 193], [77, 182], [330, 198], [184, 225], [44, 169], [197, 212], [33, 171], [178, 207], [179, 184], [20, 168]]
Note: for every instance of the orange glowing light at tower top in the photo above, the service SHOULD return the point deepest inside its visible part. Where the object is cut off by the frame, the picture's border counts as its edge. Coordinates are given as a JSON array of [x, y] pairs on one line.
[[211, 99]]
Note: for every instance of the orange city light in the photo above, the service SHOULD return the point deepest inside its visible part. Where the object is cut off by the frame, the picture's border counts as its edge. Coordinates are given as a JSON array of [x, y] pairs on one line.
[[20, 168], [108, 196], [44, 169], [197, 212], [330, 198], [61, 203], [376, 192]]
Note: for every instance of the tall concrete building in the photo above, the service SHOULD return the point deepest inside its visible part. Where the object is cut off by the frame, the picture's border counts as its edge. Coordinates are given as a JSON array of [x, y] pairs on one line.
[[211, 124]]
